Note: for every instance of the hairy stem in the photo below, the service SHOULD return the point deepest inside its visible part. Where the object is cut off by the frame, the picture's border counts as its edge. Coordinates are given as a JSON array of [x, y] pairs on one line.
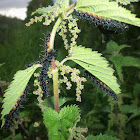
[[54, 32], [55, 86], [55, 70]]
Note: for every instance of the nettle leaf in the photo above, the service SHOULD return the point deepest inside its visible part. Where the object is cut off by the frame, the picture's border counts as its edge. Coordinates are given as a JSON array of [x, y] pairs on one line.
[[49, 13], [96, 65], [43, 10], [69, 116], [59, 124], [16, 88], [58, 6], [120, 61], [113, 48], [51, 120], [109, 10], [125, 2], [101, 137]]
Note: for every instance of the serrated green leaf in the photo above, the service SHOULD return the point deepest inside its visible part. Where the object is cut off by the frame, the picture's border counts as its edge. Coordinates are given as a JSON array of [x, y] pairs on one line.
[[59, 4], [43, 10], [58, 124], [16, 88], [113, 48], [69, 116], [125, 2], [119, 61], [51, 120], [96, 65], [101, 137], [109, 10]]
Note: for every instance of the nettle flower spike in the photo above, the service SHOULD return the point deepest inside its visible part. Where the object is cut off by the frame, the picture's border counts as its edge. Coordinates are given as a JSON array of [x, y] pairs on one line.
[[64, 70]]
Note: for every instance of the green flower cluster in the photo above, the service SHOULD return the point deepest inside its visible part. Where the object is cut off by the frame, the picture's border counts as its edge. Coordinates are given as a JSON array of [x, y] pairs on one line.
[[38, 92], [62, 29], [74, 78], [76, 133], [74, 30], [51, 13]]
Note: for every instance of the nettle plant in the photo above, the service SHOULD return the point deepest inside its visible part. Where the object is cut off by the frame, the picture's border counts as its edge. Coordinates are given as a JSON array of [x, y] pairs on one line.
[[109, 17]]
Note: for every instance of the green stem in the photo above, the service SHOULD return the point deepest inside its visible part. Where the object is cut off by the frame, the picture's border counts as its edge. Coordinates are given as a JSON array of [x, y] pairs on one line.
[[55, 70], [55, 27], [54, 32], [56, 90]]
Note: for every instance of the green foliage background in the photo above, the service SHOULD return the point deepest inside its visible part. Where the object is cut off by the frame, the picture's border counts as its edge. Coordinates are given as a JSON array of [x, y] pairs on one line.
[[19, 46]]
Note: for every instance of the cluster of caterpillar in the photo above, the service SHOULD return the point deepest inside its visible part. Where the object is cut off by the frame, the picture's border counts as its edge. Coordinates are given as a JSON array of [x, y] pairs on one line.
[[101, 85], [43, 77], [15, 110], [49, 55], [108, 24]]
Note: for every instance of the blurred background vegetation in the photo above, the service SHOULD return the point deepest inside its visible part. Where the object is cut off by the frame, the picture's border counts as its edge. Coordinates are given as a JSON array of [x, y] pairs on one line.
[[19, 46]]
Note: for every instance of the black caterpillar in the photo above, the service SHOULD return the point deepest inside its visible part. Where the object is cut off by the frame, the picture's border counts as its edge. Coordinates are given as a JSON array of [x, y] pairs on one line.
[[15, 110], [99, 21], [102, 85], [49, 55], [105, 26]]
